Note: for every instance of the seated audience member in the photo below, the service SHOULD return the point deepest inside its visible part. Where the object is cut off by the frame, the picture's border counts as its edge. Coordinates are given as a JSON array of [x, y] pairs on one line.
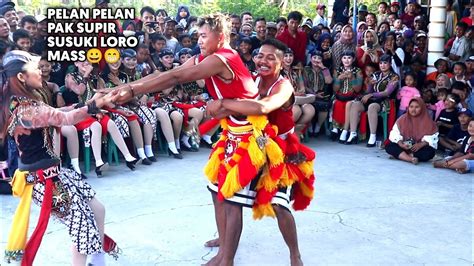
[[453, 140], [442, 67], [414, 137], [317, 79], [448, 117], [377, 98], [463, 160], [347, 87], [303, 110]]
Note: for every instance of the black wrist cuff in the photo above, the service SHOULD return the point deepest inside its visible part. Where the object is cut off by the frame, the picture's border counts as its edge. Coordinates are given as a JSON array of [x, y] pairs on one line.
[[92, 108], [79, 105]]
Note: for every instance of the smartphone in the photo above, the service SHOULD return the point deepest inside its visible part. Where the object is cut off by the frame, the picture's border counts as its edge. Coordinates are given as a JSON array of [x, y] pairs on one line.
[[151, 24], [374, 78], [370, 45]]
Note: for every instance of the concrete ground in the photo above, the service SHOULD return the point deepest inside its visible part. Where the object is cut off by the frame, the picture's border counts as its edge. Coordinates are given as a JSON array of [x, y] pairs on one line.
[[368, 210]]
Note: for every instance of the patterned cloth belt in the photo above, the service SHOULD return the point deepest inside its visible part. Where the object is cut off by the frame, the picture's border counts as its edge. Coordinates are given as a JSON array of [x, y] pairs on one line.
[[42, 174]]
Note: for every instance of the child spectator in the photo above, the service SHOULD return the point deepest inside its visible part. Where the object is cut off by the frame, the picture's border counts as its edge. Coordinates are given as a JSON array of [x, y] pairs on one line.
[[461, 90], [245, 52], [185, 41], [398, 26], [448, 116], [183, 15], [22, 40], [463, 160], [382, 12], [459, 71], [143, 59], [29, 23], [439, 105], [158, 42], [455, 137], [370, 69], [406, 93]]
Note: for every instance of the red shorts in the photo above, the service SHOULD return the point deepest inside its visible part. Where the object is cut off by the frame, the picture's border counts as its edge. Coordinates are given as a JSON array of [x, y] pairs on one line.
[[88, 122]]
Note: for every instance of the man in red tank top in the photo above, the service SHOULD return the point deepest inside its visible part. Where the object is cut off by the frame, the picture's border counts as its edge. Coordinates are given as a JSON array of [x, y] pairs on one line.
[[239, 155], [276, 100]]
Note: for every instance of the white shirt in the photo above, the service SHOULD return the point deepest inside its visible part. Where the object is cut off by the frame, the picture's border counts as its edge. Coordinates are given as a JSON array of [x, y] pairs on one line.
[[320, 20], [460, 48], [396, 136]]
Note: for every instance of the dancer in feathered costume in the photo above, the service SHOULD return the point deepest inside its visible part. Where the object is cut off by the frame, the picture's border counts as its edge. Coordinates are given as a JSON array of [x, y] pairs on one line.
[[293, 180], [242, 150]]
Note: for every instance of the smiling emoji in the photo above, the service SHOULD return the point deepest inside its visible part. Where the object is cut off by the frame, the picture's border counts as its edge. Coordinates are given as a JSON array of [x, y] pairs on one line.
[[112, 55], [94, 55]]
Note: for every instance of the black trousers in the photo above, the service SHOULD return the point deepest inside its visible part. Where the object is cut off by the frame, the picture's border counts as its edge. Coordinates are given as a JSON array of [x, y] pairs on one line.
[[424, 154]]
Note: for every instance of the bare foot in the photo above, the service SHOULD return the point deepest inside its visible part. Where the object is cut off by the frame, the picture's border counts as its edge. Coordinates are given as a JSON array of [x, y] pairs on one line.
[[296, 261], [216, 260], [461, 170], [212, 243], [439, 164], [414, 160]]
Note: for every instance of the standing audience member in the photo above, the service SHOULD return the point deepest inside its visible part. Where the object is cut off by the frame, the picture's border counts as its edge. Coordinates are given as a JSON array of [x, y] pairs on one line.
[[461, 48], [293, 38], [406, 93], [320, 18], [29, 23], [261, 30]]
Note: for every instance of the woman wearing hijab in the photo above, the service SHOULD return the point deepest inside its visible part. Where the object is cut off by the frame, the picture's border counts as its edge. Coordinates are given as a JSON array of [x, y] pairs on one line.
[[324, 46], [182, 15], [370, 52], [345, 43], [414, 137], [390, 47], [361, 28]]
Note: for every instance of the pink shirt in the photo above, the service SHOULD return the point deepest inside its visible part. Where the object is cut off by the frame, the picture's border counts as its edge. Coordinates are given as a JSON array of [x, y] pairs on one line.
[[439, 107], [405, 95]]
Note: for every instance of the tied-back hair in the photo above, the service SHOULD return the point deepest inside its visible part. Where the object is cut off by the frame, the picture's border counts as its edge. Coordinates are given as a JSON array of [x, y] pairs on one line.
[[218, 22], [12, 86]]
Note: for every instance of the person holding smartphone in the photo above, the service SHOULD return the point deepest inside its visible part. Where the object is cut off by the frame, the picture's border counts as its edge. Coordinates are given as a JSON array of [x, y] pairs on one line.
[[147, 17], [370, 52]]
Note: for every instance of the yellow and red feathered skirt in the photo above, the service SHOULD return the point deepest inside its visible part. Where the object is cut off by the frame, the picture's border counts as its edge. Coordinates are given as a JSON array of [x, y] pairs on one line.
[[248, 166]]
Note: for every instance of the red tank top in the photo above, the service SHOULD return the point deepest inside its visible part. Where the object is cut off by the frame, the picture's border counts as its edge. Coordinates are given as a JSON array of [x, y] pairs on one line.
[[241, 86], [281, 117]]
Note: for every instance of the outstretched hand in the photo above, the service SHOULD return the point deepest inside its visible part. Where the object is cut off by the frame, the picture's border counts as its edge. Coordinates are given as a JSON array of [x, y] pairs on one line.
[[119, 95]]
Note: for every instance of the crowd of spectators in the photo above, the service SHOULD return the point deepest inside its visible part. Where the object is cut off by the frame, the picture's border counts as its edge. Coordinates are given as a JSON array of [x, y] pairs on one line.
[[345, 81]]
